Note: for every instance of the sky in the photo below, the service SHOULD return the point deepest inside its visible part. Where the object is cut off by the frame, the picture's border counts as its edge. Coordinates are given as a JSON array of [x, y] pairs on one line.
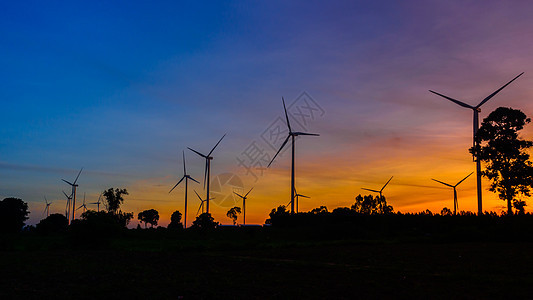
[[121, 88]]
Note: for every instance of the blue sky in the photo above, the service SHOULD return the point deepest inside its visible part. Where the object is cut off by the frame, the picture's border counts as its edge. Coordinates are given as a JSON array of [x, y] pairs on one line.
[[122, 88]]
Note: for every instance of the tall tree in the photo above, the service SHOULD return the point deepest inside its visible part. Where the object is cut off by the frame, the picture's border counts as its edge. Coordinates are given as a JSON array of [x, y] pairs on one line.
[[233, 213], [113, 199], [505, 156], [13, 213], [175, 220], [149, 216]]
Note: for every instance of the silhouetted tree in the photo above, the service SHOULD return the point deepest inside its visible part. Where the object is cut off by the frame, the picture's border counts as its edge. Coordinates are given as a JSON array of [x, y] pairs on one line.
[[319, 210], [175, 220], [446, 212], [280, 211], [13, 213], [233, 213], [505, 155], [369, 205], [53, 223], [204, 221], [113, 199], [149, 216], [519, 205]]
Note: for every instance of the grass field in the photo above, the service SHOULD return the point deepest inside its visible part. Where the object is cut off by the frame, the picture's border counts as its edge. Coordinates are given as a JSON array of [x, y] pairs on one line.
[[262, 266]]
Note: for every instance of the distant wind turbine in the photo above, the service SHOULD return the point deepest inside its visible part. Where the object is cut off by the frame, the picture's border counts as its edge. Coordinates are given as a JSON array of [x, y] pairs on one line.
[[83, 205], [201, 203], [186, 177], [455, 205], [477, 110], [298, 198], [244, 205], [380, 191], [67, 208], [47, 208], [74, 187], [291, 135], [207, 173], [98, 202]]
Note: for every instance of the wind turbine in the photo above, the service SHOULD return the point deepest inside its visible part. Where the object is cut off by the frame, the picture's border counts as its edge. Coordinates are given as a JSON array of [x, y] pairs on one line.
[[67, 209], [74, 187], [201, 203], [83, 205], [380, 191], [186, 177], [207, 173], [477, 110], [291, 135], [454, 191], [297, 198], [244, 205], [98, 202], [47, 208]]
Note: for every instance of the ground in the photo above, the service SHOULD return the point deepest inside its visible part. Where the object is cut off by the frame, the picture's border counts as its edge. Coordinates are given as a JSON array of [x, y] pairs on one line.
[[251, 268]]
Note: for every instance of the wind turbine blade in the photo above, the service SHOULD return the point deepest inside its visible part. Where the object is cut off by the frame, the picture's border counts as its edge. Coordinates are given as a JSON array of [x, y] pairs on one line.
[[67, 182], [216, 145], [286, 115], [198, 195], [184, 169], [248, 192], [304, 133], [193, 179], [65, 194], [197, 152], [238, 195], [177, 184], [497, 91], [442, 182], [375, 191], [200, 207], [300, 195], [464, 179], [386, 184], [453, 100], [283, 145], [78, 176]]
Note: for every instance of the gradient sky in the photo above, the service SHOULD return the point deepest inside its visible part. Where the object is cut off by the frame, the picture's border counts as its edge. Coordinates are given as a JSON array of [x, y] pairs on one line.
[[121, 89]]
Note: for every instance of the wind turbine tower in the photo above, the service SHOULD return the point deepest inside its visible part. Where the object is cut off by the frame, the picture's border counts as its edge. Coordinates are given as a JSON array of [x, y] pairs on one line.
[[186, 177], [244, 205], [207, 173], [477, 110], [291, 135], [74, 187], [455, 205], [47, 208]]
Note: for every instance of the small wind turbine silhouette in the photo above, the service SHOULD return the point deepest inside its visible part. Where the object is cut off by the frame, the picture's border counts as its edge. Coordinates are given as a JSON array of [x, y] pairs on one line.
[[98, 202], [244, 205], [201, 203], [455, 204], [298, 198], [67, 208], [83, 205], [74, 187], [380, 191], [207, 173], [47, 208], [477, 110], [291, 135], [186, 177]]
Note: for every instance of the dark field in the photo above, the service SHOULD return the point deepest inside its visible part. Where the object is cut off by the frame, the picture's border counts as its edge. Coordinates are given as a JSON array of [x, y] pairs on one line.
[[157, 265]]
